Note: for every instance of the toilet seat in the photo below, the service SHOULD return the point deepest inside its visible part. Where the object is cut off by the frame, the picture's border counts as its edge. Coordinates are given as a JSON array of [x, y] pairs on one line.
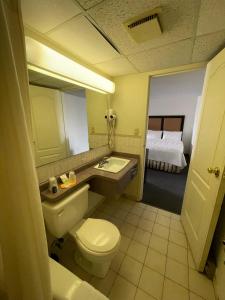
[[98, 236]]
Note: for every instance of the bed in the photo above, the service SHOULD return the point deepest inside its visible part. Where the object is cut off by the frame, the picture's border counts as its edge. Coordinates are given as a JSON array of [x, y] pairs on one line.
[[164, 145]]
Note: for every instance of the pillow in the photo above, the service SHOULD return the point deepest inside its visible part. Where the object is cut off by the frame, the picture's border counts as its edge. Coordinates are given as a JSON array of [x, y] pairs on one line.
[[155, 134], [172, 135]]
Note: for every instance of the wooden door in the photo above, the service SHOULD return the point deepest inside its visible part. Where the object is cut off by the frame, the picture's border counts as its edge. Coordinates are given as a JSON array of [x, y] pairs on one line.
[[48, 125], [205, 184]]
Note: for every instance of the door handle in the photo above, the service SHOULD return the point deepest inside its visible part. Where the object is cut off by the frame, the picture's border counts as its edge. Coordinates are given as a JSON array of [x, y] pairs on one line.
[[215, 171]]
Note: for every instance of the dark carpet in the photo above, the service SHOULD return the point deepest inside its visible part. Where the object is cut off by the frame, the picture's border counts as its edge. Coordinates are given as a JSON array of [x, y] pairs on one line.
[[165, 190]]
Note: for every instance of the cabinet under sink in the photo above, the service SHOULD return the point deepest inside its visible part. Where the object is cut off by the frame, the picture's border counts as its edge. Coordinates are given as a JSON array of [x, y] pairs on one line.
[[108, 188]]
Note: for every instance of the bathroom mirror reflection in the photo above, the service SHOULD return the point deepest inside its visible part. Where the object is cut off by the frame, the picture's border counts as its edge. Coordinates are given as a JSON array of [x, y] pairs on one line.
[[66, 119]]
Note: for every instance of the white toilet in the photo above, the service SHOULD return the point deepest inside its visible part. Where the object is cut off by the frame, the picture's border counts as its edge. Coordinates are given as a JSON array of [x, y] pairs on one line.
[[97, 240]]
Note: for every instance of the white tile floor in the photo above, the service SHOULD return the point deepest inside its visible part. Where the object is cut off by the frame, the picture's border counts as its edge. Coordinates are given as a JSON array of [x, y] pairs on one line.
[[154, 261]]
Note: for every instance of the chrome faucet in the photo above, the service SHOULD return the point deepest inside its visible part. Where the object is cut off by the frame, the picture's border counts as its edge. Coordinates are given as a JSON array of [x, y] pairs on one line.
[[103, 162]]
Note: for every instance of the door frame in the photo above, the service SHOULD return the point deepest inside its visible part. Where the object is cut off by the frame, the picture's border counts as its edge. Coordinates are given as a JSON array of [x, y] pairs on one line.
[[154, 74], [182, 69]]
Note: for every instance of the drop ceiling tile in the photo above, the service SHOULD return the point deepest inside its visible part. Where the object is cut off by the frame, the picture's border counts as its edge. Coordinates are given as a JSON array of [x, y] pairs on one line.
[[177, 19], [117, 67], [211, 16], [43, 15], [81, 38], [172, 55], [88, 3], [207, 46]]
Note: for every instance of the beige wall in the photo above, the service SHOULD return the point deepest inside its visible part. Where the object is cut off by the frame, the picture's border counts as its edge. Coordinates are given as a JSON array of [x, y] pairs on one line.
[[130, 104], [130, 101], [96, 108], [97, 105]]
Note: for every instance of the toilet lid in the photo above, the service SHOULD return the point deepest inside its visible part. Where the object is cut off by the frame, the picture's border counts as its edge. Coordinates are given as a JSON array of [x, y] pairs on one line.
[[98, 235]]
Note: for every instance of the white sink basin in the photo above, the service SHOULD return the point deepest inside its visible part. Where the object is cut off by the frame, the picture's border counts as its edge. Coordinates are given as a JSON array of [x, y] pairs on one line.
[[114, 164]]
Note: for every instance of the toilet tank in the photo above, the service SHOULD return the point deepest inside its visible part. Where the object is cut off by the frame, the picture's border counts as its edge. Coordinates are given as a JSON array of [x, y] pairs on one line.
[[63, 215]]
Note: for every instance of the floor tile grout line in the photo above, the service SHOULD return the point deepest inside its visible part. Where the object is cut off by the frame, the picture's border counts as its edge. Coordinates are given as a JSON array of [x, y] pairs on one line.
[[164, 277], [146, 293], [166, 255], [117, 274], [189, 291], [155, 234], [150, 267], [203, 298], [141, 272], [143, 264], [149, 247], [188, 275]]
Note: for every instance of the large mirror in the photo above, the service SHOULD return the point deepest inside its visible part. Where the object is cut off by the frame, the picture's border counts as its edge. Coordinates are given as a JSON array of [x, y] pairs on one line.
[[66, 119]]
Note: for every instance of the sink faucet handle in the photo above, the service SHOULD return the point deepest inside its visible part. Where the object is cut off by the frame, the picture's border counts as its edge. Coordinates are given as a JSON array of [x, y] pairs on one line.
[[103, 162]]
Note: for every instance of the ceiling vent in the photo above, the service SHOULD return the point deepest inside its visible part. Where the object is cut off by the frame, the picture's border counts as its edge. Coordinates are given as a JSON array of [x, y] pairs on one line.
[[144, 27]]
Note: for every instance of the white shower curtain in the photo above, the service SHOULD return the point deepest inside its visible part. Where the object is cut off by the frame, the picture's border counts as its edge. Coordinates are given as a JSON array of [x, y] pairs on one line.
[[22, 233]]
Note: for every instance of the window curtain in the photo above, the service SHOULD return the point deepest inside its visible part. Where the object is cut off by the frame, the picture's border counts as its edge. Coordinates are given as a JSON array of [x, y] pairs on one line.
[[22, 234]]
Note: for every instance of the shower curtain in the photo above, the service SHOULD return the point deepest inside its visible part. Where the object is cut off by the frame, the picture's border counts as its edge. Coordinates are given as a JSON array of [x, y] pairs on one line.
[[22, 234]]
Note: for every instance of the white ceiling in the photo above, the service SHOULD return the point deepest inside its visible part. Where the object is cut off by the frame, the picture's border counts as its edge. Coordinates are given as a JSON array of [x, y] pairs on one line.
[[73, 36], [193, 31]]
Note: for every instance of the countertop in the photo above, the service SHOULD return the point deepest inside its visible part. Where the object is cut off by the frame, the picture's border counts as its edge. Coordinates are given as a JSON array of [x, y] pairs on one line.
[[87, 173]]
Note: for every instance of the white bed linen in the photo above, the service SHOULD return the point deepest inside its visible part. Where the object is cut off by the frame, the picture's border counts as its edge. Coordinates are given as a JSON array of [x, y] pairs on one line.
[[168, 151], [156, 134]]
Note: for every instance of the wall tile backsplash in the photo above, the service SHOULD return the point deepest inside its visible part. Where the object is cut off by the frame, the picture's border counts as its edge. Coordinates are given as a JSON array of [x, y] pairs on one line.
[[97, 140], [128, 144], [73, 162]]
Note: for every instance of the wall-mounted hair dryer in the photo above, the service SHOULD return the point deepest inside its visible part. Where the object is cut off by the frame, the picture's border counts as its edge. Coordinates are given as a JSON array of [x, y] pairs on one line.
[[110, 117]]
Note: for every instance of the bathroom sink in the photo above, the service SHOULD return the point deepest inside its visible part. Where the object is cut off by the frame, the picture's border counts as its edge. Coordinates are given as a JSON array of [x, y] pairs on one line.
[[113, 164]]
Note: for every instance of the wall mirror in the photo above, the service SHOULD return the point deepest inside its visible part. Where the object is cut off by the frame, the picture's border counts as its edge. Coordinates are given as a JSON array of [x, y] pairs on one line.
[[66, 119]]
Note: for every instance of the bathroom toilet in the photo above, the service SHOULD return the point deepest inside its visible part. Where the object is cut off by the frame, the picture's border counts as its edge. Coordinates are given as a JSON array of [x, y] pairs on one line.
[[97, 240]]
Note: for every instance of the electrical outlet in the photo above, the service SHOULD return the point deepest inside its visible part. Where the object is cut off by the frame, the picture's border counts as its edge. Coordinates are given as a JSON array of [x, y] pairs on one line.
[[92, 130], [136, 131]]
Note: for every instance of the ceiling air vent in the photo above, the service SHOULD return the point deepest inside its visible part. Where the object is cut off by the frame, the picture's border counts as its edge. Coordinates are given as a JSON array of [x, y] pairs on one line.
[[144, 27]]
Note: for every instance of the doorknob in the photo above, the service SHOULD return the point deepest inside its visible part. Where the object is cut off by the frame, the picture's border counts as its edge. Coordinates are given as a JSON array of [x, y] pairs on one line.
[[215, 171]]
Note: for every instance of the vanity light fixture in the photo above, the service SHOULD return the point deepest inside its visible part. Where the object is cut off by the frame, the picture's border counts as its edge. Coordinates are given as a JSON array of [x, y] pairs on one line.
[[63, 78], [49, 62]]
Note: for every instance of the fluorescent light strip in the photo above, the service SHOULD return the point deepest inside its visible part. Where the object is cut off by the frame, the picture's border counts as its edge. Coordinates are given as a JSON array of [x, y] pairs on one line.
[[57, 76], [50, 62]]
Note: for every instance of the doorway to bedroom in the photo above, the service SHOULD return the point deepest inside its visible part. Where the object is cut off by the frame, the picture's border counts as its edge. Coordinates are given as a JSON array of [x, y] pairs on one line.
[[174, 105]]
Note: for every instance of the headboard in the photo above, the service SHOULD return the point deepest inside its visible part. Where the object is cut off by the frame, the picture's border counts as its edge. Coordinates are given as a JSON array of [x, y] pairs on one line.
[[170, 123]]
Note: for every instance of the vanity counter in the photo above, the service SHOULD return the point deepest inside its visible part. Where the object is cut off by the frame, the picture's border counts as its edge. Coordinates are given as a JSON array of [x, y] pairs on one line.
[[90, 174]]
